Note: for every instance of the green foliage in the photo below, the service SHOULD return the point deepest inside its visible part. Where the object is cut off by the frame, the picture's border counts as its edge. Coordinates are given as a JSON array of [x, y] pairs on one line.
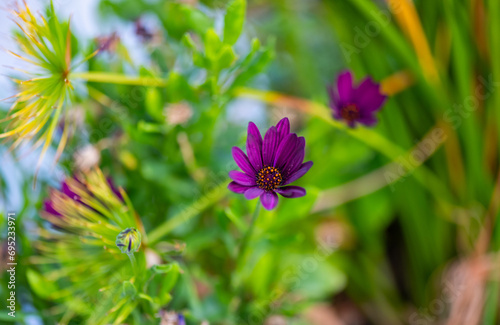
[[234, 20], [40, 285]]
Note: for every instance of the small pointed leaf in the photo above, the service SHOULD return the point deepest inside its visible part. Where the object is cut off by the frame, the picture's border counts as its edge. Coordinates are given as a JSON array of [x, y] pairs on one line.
[[234, 20]]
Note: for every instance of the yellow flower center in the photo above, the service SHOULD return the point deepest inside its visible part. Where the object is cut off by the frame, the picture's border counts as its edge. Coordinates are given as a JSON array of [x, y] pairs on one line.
[[269, 178]]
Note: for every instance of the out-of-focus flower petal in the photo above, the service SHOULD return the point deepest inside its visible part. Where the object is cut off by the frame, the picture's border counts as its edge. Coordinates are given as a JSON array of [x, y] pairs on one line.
[[242, 161], [242, 178], [237, 188], [269, 200], [253, 192], [270, 145], [291, 191], [304, 168]]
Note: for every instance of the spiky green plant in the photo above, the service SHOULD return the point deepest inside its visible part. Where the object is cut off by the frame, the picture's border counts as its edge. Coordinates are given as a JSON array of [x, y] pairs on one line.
[[48, 46], [97, 280]]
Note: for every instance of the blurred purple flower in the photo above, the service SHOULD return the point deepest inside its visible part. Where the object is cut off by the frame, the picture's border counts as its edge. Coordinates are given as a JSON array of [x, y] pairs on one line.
[[49, 206], [108, 43], [114, 188], [271, 164], [181, 320], [69, 193], [355, 104], [171, 318], [142, 31]]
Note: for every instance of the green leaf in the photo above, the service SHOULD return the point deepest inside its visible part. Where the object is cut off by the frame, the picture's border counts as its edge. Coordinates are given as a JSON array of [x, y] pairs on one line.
[[317, 280], [188, 41], [146, 127], [254, 63], [198, 58], [154, 104], [178, 18], [226, 57], [163, 268], [129, 289], [491, 305], [256, 45], [146, 297], [178, 88], [170, 278], [212, 44], [166, 276], [234, 20], [41, 286]]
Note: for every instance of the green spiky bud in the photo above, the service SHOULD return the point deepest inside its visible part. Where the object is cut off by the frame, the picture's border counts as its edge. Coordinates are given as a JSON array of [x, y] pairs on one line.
[[129, 240]]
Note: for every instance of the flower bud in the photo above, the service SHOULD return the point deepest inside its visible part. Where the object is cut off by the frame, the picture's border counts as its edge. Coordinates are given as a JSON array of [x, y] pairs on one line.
[[129, 240]]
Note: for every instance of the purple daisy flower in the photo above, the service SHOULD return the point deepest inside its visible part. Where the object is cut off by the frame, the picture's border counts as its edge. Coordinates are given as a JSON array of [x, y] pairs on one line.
[[355, 104], [271, 165]]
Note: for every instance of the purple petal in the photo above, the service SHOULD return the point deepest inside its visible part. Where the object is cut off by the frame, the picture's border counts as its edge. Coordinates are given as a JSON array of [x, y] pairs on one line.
[[115, 190], [269, 200], [254, 130], [253, 192], [270, 146], [242, 161], [368, 96], [283, 128], [334, 102], [332, 94], [254, 151], [285, 150], [49, 207], [67, 191], [295, 160], [344, 88], [291, 191], [237, 188], [242, 178], [304, 168], [337, 114]]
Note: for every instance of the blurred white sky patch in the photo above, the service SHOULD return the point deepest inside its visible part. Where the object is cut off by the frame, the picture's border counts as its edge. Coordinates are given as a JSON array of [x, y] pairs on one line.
[[16, 169], [242, 110]]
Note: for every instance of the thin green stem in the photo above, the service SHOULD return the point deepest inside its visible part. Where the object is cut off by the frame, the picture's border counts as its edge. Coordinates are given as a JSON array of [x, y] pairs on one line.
[[133, 261], [248, 234], [187, 213], [119, 79], [236, 277]]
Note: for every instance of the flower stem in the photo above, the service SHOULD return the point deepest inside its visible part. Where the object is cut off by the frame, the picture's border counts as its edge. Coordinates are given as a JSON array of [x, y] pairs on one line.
[[133, 261], [248, 234], [120, 79], [188, 213]]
